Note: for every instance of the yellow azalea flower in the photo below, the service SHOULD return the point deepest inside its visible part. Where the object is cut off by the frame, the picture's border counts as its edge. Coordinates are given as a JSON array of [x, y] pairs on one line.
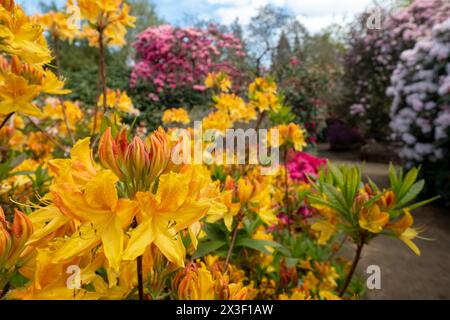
[[325, 229], [235, 107], [291, 134], [103, 217], [263, 207], [162, 216], [17, 95], [297, 295], [232, 209], [52, 85], [263, 95], [53, 109], [111, 15], [219, 80], [402, 229], [126, 282], [21, 37], [79, 169], [39, 144], [327, 295], [176, 115], [49, 281], [310, 280], [46, 223], [217, 121], [58, 25], [373, 219], [115, 99], [266, 259]]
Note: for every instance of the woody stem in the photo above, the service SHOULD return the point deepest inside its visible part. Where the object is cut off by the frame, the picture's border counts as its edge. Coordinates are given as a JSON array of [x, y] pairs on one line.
[[61, 101], [139, 270], [352, 269], [140, 278], [286, 181], [5, 290], [48, 136], [5, 121], [233, 242], [101, 76]]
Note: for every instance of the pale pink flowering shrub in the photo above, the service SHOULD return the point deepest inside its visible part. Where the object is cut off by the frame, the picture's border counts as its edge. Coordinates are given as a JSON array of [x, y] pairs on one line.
[[169, 57], [374, 55], [420, 112], [420, 89]]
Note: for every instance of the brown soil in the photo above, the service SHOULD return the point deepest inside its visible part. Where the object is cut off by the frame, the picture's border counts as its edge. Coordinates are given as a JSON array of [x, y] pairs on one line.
[[403, 274]]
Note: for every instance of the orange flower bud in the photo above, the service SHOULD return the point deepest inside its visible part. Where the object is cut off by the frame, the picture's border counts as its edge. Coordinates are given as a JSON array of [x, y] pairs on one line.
[[21, 231], [387, 201], [184, 283], [122, 142], [5, 245], [109, 153], [137, 160], [159, 152], [229, 183], [245, 190], [16, 65]]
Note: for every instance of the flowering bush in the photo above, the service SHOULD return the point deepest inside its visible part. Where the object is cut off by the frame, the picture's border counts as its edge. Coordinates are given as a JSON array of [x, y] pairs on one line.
[[182, 57], [374, 54], [421, 103]]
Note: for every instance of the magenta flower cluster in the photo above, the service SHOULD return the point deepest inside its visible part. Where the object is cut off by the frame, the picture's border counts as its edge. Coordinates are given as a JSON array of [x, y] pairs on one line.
[[303, 164], [170, 57]]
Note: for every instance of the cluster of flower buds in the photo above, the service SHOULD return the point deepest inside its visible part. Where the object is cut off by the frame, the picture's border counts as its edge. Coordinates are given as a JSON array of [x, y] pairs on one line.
[[13, 239], [136, 163], [200, 283]]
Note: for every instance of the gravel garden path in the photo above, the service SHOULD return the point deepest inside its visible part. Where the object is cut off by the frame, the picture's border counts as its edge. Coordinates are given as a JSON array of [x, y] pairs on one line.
[[403, 274]]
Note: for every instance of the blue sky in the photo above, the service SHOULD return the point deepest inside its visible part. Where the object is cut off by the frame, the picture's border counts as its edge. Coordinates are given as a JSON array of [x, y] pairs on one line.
[[314, 14]]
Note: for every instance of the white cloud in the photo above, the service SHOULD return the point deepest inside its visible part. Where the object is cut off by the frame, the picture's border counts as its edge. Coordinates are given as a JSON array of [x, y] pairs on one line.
[[314, 14]]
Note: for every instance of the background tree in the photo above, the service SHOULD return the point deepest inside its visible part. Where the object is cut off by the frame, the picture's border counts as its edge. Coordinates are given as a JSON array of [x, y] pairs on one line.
[[263, 32]]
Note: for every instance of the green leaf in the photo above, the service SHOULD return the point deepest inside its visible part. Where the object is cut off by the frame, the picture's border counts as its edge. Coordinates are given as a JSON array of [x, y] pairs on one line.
[[373, 185], [317, 200], [393, 179], [422, 203], [373, 200], [337, 175], [207, 247], [259, 245], [353, 181], [214, 232], [335, 197], [410, 178], [410, 195]]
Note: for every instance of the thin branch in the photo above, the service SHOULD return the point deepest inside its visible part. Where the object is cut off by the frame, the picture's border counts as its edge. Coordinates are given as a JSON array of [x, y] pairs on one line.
[[5, 121], [61, 101], [233, 241], [352, 269], [48, 136]]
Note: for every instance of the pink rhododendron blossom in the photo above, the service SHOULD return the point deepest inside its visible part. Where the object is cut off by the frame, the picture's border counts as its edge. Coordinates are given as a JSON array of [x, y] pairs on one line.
[[303, 164]]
